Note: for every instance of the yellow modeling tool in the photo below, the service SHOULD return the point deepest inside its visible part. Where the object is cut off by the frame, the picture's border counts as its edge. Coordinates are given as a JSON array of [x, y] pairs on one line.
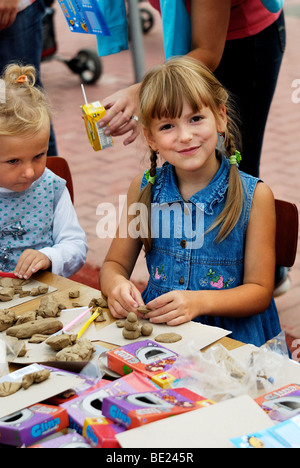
[[88, 322]]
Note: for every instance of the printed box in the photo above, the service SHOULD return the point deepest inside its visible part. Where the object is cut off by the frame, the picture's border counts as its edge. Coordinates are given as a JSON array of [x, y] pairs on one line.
[[101, 432], [281, 404], [283, 435], [147, 357], [73, 440], [36, 422], [84, 16], [89, 405], [84, 385], [142, 408]]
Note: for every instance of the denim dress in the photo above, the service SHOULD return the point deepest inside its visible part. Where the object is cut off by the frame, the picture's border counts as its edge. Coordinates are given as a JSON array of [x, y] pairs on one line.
[[184, 256]]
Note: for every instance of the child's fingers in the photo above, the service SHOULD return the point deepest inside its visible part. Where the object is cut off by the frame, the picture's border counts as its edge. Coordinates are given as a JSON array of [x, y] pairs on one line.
[[30, 262]]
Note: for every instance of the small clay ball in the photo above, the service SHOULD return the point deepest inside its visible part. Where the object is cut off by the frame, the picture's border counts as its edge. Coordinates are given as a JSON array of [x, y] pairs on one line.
[[131, 335], [131, 326], [131, 317], [143, 310], [120, 323], [146, 329]]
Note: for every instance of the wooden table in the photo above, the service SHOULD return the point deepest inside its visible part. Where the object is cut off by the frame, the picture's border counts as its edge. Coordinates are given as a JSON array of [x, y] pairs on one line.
[[64, 285]]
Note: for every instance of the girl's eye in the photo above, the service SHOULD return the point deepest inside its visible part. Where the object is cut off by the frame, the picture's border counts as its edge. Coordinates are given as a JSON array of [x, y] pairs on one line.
[[13, 161], [166, 127], [39, 156], [197, 118]]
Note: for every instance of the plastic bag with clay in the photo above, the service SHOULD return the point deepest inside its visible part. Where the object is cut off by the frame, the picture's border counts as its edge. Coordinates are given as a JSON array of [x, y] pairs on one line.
[[217, 375], [3, 358]]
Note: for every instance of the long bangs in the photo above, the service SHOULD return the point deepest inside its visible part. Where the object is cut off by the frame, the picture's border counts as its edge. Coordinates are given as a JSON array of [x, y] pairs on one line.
[[166, 90]]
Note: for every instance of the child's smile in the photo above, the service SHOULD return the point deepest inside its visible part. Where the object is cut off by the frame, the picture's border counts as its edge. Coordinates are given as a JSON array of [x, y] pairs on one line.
[[187, 142]]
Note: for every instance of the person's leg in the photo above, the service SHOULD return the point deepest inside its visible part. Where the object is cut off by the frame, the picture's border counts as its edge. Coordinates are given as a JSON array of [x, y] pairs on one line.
[[22, 43], [249, 70]]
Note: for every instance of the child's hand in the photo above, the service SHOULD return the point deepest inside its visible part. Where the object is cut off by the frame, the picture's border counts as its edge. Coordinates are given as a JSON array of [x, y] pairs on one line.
[[30, 262], [174, 307], [124, 298]]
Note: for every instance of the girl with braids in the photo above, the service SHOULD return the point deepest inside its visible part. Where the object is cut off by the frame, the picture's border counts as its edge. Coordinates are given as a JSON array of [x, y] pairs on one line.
[[210, 249], [39, 229]]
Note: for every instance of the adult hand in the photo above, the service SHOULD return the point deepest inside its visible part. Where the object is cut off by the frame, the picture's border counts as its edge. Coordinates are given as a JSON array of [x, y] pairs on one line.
[[8, 12], [120, 107]]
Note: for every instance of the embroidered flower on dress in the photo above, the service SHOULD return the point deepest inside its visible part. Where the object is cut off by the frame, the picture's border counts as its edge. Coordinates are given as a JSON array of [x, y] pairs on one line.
[[216, 280], [158, 273]]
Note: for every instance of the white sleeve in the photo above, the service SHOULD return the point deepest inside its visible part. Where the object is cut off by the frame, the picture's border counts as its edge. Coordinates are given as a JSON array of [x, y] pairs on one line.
[[68, 253]]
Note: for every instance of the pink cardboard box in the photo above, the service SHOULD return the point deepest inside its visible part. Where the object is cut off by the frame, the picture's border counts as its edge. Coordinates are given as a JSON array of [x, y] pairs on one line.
[[36, 422], [141, 408], [89, 405], [147, 357], [65, 441], [101, 432]]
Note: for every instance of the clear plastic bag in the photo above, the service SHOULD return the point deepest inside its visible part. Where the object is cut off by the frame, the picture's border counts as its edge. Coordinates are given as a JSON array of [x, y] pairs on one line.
[[217, 375], [3, 358]]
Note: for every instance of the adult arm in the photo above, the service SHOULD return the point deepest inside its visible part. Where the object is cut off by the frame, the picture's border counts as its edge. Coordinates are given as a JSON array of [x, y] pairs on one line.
[[8, 12], [209, 20], [209, 24]]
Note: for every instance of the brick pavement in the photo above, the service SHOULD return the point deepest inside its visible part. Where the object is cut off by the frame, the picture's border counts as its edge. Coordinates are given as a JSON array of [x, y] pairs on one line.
[[100, 177]]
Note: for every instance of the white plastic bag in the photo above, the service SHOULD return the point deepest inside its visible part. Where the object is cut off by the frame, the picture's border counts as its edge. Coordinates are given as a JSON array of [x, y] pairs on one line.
[[217, 375], [3, 359]]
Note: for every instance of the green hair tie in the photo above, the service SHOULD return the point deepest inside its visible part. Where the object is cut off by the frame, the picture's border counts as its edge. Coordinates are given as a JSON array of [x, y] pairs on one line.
[[235, 159], [149, 178]]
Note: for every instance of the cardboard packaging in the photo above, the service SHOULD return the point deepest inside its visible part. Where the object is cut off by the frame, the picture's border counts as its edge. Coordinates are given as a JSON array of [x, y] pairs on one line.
[[101, 432], [73, 440], [89, 405], [84, 385], [147, 357], [92, 114], [34, 423], [282, 403], [141, 408]]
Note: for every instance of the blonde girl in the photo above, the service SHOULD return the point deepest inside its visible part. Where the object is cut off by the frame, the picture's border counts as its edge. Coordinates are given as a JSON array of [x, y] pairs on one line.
[[39, 229], [209, 229]]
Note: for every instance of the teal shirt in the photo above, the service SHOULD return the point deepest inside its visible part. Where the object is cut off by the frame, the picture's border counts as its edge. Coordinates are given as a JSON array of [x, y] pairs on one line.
[[26, 218]]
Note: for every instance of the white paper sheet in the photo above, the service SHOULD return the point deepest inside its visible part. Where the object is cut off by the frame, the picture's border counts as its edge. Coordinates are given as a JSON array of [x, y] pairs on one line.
[[193, 333], [43, 353], [209, 427], [57, 383], [27, 287]]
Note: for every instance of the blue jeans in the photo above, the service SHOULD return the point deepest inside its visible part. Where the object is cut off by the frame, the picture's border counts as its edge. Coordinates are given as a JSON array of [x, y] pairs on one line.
[[249, 70], [22, 43]]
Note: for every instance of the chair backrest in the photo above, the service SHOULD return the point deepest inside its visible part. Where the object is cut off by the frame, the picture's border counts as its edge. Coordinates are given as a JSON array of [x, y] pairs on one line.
[[286, 232], [60, 167]]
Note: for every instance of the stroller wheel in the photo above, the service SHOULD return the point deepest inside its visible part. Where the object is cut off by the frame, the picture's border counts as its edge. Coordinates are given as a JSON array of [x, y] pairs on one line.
[[87, 64]]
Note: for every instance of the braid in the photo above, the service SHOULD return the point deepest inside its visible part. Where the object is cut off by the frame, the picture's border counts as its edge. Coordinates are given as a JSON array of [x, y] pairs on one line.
[[153, 160], [145, 198]]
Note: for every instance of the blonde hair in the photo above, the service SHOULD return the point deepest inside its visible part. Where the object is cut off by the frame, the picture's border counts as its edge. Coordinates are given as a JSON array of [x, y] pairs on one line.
[[162, 95], [25, 108]]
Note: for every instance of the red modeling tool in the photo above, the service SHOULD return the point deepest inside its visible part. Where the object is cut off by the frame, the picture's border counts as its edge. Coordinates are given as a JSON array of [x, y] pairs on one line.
[[4, 274]]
